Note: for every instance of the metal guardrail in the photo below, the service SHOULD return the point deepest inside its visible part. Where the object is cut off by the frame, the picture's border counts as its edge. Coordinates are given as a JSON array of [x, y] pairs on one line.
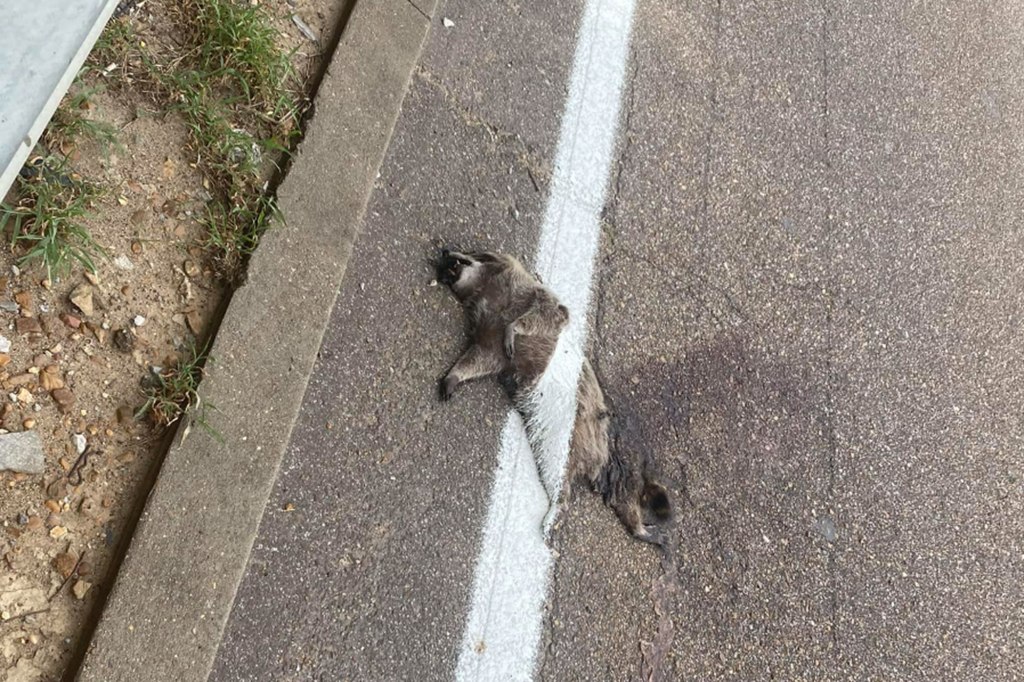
[[43, 45]]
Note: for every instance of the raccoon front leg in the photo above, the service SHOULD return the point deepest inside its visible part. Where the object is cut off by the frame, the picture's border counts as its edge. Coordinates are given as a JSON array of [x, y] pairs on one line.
[[476, 363], [545, 317]]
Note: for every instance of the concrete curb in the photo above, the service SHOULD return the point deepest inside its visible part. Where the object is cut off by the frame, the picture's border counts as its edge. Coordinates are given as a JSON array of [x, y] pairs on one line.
[[168, 608]]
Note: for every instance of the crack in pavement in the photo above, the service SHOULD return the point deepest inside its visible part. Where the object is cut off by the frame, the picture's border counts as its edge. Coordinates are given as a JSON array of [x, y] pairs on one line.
[[536, 169]]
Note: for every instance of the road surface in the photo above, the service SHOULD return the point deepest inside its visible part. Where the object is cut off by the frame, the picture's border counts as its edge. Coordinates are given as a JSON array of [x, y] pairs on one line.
[[806, 304]]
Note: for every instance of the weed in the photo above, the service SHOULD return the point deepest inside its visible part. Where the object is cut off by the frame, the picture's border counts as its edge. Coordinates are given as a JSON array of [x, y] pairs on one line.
[[232, 234], [173, 392], [235, 88], [236, 91], [47, 218], [70, 123], [117, 46], [237, 46]]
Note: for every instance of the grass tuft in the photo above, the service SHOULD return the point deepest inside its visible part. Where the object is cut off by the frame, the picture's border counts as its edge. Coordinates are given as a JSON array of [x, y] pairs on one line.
[[173, 393], [237, 91], [47, 218], [70, 123]]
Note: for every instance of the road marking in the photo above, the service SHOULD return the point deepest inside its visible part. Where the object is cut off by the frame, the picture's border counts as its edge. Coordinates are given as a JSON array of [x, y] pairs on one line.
[[506, 612]]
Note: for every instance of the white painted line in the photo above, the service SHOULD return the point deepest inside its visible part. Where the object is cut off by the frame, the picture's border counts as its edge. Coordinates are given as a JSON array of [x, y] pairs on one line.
[[506, 612]]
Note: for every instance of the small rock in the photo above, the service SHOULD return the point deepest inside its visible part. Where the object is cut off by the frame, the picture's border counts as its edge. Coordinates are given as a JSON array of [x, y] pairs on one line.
[[84, 568], [24, 299], [48, 323], [58, 532], [4, 359], [191, 269], [80, 588], [64, 398], [28, 325], [25, 396], [71, 320], [22, 452], [81, 297], [92, 278], [304, 28], [136, 247], [50, 379], [5, 344], [80, 442], [64, 563], [29, 424], [34, 522], [138, 320], [448, 23], [52, 505], [9, 307], [11, 419], [22, 518], [19, 380], [195, 322], [123, 262]]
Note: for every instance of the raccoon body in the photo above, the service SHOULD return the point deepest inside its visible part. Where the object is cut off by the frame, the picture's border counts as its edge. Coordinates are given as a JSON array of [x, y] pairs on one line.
[[514, 323]]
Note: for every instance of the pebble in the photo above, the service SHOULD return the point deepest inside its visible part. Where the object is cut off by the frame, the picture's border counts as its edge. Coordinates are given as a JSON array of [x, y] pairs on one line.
[[448, 23], [22, 453], [28, 325], [5, 344], [80, 442], [50, 379], [138, 320], [71, 320], [64, 398], [123, 262], [64, 563], [81, 297], [80, 588], [58, 532], [52, 505]]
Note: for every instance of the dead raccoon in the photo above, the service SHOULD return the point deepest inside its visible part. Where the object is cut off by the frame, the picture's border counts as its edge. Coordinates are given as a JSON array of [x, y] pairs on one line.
[[514, 322]]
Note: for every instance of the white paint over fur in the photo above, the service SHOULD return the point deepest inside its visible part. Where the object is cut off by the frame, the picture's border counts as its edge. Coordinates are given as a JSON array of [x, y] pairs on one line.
[[503, 628]]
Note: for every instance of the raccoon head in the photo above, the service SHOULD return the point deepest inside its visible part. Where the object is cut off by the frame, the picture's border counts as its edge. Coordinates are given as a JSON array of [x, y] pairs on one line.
[[462, 272]]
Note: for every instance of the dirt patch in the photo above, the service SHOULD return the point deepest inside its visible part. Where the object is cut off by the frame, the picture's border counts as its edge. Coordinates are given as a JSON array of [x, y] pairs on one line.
[[76, 372]]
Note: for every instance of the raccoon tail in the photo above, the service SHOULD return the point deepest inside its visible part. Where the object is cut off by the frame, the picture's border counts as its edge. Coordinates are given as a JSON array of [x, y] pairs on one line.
[[641, 503]]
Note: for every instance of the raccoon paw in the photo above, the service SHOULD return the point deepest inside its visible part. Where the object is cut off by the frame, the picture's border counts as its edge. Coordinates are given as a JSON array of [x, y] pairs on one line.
[[447, 387], [651, 533]]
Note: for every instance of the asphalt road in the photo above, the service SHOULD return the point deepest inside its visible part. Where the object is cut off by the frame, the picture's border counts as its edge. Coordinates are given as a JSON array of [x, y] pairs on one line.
[[808, 307]]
